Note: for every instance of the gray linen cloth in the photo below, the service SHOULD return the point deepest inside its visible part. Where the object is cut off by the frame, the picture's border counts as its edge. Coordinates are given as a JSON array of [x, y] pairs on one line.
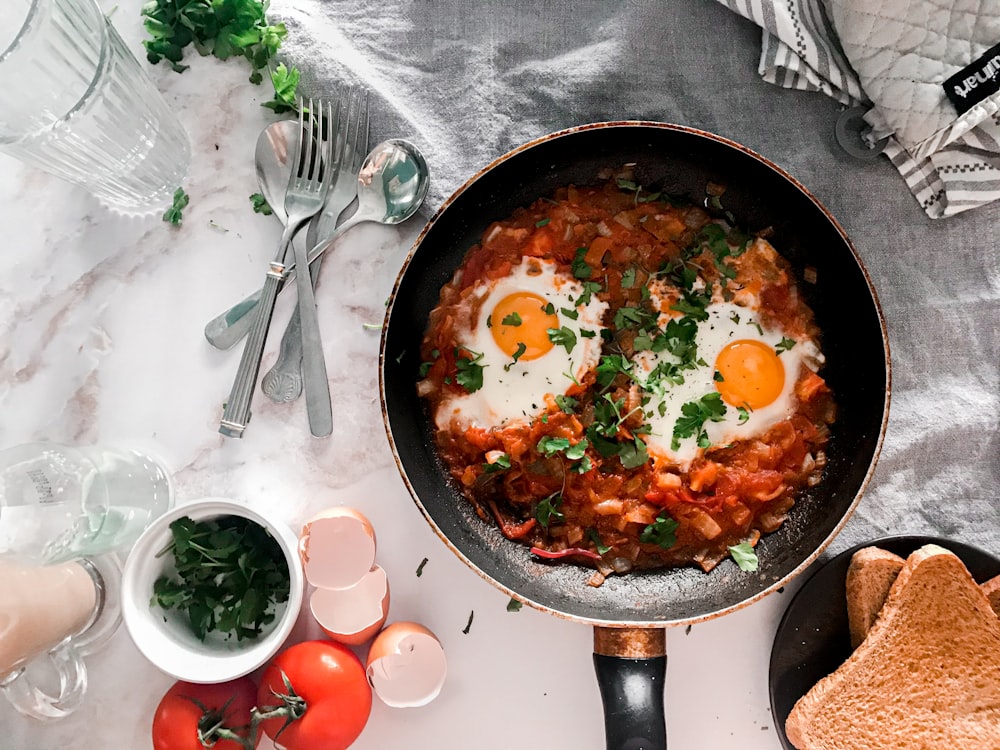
[[468, 81]]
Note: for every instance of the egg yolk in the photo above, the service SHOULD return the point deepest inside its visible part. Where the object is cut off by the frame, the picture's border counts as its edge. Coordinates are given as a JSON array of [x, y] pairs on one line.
[[752, 374], [527, 322]]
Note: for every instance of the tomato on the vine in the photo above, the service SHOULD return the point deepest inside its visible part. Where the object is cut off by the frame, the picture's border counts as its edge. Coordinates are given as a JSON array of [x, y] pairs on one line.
[[187, 708], [328, 696]]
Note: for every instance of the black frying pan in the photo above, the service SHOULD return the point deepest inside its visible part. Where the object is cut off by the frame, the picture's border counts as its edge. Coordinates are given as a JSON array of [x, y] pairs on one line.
[[631, 611]]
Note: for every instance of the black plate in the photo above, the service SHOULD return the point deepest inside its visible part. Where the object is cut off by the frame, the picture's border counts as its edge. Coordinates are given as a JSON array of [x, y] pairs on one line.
[[813, 638]]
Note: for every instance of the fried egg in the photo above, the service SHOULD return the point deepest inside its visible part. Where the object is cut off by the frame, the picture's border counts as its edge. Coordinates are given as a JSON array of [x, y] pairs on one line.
[[744, 377], [534, 332]]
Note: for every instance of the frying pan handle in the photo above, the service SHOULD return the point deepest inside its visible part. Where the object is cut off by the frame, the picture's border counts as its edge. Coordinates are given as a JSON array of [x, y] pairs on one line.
[[631, 666]]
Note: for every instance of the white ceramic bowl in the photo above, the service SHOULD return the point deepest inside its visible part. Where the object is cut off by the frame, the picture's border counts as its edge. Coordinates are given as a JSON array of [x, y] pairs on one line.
[[165, 637]]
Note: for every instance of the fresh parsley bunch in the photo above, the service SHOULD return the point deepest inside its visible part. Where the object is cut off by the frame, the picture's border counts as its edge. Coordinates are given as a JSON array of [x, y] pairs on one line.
[[225, 29], [230, 572]]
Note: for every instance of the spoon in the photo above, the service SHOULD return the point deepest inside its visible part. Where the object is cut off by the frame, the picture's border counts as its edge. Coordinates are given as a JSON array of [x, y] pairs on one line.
[[392, 184]]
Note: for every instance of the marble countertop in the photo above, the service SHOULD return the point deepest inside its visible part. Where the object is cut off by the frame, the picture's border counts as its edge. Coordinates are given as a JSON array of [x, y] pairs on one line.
[[101, 342]]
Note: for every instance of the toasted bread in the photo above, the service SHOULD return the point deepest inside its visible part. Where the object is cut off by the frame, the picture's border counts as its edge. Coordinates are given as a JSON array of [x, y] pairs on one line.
[[869, 577], [992, 590], [927, 675]]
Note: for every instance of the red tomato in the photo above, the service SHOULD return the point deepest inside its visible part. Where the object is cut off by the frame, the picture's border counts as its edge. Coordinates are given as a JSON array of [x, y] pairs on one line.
[[187, 707], [331, 681]]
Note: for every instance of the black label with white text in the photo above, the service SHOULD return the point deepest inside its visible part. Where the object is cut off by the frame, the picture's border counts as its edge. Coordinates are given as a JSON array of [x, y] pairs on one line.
[[975, 82]]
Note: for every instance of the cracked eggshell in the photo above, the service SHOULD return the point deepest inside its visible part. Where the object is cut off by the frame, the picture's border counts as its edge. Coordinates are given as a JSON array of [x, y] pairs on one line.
[[337, 548], [406, 665], [353, 615]]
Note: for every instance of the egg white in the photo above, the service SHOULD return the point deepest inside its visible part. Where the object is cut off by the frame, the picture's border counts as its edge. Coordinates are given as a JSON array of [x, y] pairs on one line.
[[514, 391], [726, 322]]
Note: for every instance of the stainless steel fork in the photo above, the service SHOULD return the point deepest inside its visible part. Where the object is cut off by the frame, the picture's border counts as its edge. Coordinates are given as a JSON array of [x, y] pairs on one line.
[[283, 382], [307, 188]]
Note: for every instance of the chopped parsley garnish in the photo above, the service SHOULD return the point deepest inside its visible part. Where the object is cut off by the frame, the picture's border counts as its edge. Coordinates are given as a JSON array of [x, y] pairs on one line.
[[259, 204], [590, 288], [175, 214], [571, 314], [470, 372], [549, 309], [562, 337], [521, 349], [420, 568], [542, 222], [549, 446], [744, 556], [609, 366], [511, 319], [661, 532], [548, 511], [229, 574], [709, 408], [514, 605], [628, 278], [566, 403], [579, 267], [426, 366], [602, 548], [225, 29], [501, 463], [586, 333], [784, 345], [744, 414]]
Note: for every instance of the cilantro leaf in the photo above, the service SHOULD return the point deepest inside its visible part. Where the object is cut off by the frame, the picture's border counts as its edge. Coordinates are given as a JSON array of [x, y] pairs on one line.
[[562, 337], [784, 345], [548, 446], [286, 83], [579, 267], [512, 319], [521, 349], [547, 512], [174, 214], [744, 556], [694, 414], [661, 532], [470, 372], [566, 403], [259, 204], [602, 548], [230, 575]]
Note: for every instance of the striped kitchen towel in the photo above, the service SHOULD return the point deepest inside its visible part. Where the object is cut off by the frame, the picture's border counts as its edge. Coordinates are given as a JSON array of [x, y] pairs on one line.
[[925, 72]]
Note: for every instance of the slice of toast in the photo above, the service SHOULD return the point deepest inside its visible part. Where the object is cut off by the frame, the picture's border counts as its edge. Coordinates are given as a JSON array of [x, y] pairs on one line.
[[927, 675], [869, 577]]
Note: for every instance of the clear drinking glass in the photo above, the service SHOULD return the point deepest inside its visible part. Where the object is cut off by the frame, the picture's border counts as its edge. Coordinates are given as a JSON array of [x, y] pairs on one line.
[[60, 503], [75, 102]]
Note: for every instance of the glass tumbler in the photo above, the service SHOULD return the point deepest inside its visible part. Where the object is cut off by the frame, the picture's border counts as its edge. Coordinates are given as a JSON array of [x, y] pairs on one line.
[[75, 102], [60, 503]]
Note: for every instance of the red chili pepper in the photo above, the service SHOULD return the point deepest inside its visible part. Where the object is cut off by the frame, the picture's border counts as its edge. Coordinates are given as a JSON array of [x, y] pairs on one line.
[[564, 553]]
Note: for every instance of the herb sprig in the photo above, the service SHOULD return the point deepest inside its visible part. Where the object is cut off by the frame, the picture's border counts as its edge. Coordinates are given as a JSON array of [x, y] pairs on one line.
[[230, 575], [225, 29]]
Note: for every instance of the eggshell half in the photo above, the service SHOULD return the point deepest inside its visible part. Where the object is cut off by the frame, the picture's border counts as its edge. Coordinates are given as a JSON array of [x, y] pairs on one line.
[[337, 548], [406, 665], [353, 615]]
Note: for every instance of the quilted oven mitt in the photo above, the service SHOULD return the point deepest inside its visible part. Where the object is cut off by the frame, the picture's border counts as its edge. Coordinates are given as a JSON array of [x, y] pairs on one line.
[[928, 72], [930, 67]]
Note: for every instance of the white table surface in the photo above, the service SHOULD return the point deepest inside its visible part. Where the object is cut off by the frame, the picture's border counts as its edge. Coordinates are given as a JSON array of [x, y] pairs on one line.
[[101, 342]]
